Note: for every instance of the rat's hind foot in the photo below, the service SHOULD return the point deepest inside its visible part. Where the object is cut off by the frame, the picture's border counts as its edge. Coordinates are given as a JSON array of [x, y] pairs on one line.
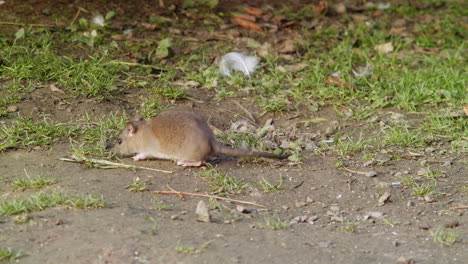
[[186, 163], [140, 156]]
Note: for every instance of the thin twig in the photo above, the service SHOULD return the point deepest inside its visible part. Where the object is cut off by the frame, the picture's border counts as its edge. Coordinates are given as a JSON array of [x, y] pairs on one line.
[[459, 207], [111, 165], [353, 171], [246, 111], [24, 24], [134, 64], [78, 13], [208, 196]]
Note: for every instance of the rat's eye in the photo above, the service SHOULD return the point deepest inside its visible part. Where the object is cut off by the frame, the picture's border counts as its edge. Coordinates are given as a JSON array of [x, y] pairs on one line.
[[119, 141]]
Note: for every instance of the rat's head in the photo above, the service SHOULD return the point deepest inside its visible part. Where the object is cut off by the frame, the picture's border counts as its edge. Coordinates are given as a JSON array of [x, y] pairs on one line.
[[128, 141]]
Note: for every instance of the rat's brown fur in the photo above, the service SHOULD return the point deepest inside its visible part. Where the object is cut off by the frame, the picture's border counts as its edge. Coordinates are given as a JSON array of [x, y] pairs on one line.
[[176, 134]]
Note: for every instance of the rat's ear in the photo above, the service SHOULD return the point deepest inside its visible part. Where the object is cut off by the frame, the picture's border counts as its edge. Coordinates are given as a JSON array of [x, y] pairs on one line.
[[137, 118], [131, 128]]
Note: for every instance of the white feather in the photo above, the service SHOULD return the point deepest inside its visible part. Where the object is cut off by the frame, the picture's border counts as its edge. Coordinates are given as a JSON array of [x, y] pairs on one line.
[[238, 61]]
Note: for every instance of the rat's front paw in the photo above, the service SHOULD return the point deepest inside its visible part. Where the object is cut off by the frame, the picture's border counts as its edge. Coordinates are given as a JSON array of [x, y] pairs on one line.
[[140, 156]]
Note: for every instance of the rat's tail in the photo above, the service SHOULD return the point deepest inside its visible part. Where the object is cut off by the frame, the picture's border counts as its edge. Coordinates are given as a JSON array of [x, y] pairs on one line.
[[221, 149]]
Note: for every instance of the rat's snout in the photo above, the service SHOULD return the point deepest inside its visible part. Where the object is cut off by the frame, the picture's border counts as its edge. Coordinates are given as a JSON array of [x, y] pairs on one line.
[[110, 145]]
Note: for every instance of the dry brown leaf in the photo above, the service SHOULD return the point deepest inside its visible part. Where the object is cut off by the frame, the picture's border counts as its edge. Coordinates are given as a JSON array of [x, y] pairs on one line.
[[465, 109], [336, 81], [295, 67], [385, 48], [247, 24], [245, 17], [287, 46], [253, 11], [54, 88], [321, 8]]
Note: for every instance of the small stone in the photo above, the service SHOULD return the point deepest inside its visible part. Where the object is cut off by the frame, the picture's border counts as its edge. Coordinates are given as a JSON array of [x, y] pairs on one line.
[[312, 219], [340, 8], [451, 224], [336, 219], [398, 174], [285, 207], [423, 227], [335, 208], [375, 214], [12, 108], [382, 185], [371, 174], [395, 243], [310, 146], [422, 172], [405, 260], [300, 204], [410, 203], [309, 200], [202, 212], [428, 198], [59, 222], [423, 162], [369, 163], [442, 152], [430, 150], [243, 210], [384, 198], [175, 217]]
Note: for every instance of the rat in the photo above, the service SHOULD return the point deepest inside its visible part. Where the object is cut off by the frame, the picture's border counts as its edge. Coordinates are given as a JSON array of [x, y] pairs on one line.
[[179, 135]]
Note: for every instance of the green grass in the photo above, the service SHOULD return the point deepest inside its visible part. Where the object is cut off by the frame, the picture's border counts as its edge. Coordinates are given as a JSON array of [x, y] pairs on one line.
[[10, 255], [35, 183], [179, 248], [348, 226], [40, 201], [92, 133], [273, 223], [270, 187], [220, 183], [24, 132], [138, 186], [34, 58], [403, 137], [349, 146], [444, 236]]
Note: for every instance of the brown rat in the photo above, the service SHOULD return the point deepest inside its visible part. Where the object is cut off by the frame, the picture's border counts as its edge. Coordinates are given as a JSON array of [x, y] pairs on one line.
[[178, 135]]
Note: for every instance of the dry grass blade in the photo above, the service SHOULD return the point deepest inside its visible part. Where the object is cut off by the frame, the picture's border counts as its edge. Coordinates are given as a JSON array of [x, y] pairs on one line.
[[181, 194], [105, 164]]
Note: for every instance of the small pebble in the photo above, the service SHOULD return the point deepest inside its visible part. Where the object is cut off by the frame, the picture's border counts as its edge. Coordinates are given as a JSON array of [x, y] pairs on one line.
[[243, 210], [202, 212], [300, 204], [451, 224], [428, 198], [371, 174], [309, 200], [12, 108], [175, 217], [384, 198], [410, 203]]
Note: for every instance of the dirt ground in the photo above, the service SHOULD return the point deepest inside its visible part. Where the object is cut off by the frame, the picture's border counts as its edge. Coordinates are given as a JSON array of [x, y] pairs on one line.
[[328, 198]]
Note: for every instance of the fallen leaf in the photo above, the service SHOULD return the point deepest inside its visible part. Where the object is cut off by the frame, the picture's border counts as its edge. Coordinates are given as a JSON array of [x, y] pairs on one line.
[[321, 8], [336, 81], [247, 24], [295, 67], [245, 17], [287, 46], [253, 11], [465, 109], [385, 48], [54, 88]]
